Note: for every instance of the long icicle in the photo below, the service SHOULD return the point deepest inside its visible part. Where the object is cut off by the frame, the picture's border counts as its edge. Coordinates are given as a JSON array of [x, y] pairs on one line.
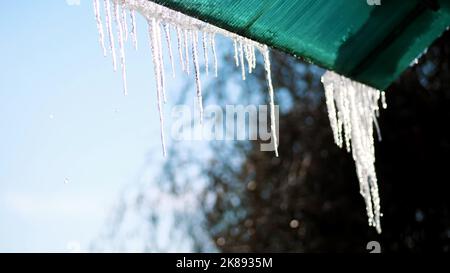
[[213, 46], [133, 29], [169, 46], [352, 110], [110, 33], [161, 60], [253, 57], [156, 68], [186, 48], [98, 18], [329, 89], [236, 54], [248, 56], [273, 130], [205, 52], [180, 47], [119, 25], [194, 37], [124, 21], [241, 58]]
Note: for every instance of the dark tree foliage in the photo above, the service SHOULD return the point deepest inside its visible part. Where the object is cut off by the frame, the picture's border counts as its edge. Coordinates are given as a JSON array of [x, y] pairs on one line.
[[414, 157], [308, 200], [305, 200]]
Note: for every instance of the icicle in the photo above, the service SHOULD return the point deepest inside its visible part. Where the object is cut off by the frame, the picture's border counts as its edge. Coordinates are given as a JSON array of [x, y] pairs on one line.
[[194, 36], [186, 28], [121, 46], [332, 115], [253, 57], [133, 29], [161, 60], [342, 103], [236, 58], [156, 68], [377, 128], [169, 46], [213, 46], [186, 48], [265, 52], [352, 110], [101, 35], [180, 48], [248, 57], [124, 21], [155, 55], [241, 57], [205, 52], [383, 100], [110, 33]]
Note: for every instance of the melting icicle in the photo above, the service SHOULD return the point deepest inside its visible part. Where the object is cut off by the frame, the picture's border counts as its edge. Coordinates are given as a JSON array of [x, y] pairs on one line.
[[241, 57], [197, 73], [253, 57], [180, 48], [186, 28], [186, 48], [101, 35], [124, 22], [205, 52], [155, 56], [169, 46], [266, 56], [161, 60], [248, 57], [352, 110], [119, 24], [110, 33], [133, 29], [213, 46], [236, 54], [383, 100], [336, 128]]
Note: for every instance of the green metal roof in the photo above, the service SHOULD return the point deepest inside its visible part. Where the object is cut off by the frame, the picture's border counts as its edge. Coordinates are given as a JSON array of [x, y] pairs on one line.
[[372, 44]]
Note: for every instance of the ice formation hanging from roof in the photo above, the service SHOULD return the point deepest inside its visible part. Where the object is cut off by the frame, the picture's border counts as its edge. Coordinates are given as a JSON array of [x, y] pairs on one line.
[[162, 21], [353, 109]]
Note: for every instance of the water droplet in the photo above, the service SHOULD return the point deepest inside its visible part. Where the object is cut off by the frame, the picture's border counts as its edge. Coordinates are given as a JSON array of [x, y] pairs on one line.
[[419, 215], [220, 241], [251, 186], [294, 223]]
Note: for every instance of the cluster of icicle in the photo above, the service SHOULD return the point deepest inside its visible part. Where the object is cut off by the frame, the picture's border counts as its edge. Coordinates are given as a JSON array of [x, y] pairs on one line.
[[162, 22], [353, 109]]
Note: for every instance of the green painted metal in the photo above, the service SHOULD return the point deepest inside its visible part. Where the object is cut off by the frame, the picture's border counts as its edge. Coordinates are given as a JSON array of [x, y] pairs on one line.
[[372, 44]]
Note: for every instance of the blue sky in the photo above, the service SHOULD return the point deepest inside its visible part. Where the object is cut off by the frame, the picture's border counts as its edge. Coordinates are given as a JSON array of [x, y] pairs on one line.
[[63, 116]]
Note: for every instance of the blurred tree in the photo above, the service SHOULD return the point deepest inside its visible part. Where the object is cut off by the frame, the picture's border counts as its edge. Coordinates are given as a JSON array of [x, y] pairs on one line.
[[307, 200], [414, 156]]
